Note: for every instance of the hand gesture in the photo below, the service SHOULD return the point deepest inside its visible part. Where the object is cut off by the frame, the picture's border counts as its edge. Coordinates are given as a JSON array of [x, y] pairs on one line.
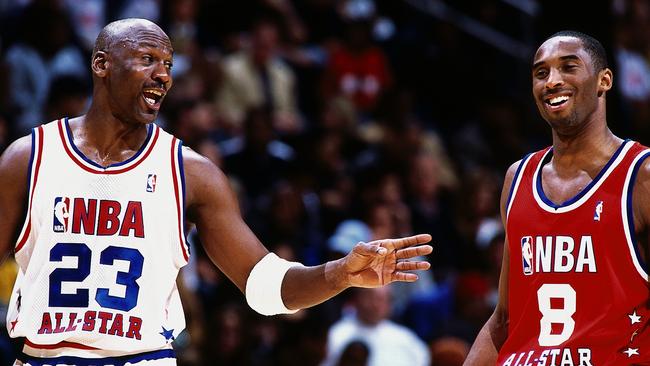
[[383, 261]]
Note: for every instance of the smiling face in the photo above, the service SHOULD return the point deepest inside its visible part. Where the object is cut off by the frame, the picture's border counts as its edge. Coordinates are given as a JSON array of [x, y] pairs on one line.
[[135, 66], [568, 91]]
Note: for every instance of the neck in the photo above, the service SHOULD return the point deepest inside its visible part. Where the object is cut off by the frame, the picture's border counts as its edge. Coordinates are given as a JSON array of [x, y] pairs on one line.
[[591, 147], [106, 139]]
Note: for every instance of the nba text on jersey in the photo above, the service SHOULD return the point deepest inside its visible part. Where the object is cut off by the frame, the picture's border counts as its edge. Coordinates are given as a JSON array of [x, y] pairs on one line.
[[103, 217], [537, 252]]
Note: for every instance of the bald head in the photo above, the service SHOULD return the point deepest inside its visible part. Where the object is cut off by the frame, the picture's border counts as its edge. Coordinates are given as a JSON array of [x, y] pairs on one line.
[[125, 30]]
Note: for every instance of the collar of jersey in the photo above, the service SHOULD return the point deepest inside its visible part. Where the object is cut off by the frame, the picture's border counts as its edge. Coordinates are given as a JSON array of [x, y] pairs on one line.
[[89, 165], [570, 204]]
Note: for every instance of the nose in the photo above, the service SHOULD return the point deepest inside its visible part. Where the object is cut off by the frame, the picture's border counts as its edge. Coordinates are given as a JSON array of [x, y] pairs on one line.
[[162, 74], [554, 79]]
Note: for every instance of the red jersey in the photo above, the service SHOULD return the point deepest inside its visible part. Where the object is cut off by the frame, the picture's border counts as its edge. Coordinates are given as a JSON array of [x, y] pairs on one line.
[[577, 285]]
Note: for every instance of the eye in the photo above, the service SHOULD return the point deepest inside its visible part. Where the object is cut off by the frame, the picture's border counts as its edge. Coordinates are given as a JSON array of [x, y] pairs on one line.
[[147, 58], [169, 65], [540, 73]]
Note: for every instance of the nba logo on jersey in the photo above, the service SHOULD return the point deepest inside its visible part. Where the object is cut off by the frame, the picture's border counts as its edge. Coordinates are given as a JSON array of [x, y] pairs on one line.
[[151, 183], [61, 214], [598, 211], [527, 254]]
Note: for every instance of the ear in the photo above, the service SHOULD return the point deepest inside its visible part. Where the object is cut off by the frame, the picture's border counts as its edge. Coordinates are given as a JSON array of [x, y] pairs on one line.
[[100, 64], [605, 81]]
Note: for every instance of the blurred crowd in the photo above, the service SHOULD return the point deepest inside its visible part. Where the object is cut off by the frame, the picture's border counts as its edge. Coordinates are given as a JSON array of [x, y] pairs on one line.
[[337, 121]]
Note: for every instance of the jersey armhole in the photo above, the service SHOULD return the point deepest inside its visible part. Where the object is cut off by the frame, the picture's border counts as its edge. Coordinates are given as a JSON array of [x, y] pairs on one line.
[[628, 214], [514, 186], [178, 177], [32, 179]]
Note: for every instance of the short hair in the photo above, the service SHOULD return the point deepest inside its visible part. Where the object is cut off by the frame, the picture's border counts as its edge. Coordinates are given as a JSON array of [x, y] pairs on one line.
[[590, 44]]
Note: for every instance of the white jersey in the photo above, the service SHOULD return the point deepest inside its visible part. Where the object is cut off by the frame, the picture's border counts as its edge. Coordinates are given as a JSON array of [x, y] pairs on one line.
[[100, 250]]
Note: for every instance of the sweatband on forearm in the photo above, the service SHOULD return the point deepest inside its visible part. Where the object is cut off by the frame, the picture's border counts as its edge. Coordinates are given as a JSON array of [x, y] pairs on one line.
[[264, 285]]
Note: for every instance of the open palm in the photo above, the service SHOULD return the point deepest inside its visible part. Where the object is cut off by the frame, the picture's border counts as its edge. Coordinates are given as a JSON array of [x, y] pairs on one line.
[[383, 261]]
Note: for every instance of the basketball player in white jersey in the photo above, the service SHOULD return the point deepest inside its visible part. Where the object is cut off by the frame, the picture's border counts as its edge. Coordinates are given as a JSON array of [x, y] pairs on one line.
[[98, 236]]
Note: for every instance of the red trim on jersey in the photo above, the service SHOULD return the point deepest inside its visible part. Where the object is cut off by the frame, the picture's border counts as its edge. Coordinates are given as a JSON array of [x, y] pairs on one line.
[[106, 171], [178, 201], [63, 344], [37, 164]]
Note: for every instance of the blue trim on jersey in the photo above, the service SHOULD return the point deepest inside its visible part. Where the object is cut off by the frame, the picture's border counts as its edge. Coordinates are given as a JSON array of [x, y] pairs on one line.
[[630, 211], [181, 171], [82, 156], [514, 179], [108, 361], [577, 197]]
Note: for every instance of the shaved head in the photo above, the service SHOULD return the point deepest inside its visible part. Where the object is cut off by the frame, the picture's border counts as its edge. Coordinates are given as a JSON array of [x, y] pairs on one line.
[[123, 30]]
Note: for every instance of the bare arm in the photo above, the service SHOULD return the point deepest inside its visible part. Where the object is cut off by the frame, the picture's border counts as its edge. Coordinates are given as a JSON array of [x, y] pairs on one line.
[[233, 247], [495, 331], [14, 165]]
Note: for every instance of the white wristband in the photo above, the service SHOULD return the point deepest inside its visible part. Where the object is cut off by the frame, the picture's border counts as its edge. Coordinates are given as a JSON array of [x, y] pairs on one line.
[[264, 284]]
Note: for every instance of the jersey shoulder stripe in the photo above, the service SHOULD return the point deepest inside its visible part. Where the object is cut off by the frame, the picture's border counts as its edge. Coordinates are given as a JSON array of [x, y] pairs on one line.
[[628, 213], [34, 166], [179, 193]]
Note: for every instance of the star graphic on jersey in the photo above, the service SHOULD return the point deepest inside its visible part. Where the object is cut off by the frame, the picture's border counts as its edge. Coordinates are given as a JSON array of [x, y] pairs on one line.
[[634, 318], [631, 352], [168, 334], [13, 325]]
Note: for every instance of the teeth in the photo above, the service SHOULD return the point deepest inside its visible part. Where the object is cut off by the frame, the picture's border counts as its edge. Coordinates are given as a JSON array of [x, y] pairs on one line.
[[154, 91], [150, 100], [558, 100]]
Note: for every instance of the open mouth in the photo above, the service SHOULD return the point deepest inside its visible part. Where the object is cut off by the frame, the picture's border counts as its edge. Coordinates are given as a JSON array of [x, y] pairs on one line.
[[557, 101], [153, 97]]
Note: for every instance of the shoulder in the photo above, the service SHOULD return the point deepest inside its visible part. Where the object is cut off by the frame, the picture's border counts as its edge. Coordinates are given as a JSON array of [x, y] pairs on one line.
[[198, 166], [511, 173], [14, 166], [642, 179], [641, 191], [18, 152], [642, 159], [203, 178]]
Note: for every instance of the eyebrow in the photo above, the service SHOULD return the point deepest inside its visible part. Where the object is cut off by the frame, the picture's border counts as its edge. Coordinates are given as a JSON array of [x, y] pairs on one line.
[[562, 58]]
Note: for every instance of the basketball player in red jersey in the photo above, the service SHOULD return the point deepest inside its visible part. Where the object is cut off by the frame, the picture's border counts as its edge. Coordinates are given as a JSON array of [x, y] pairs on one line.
[[573, 287], [102, 217]]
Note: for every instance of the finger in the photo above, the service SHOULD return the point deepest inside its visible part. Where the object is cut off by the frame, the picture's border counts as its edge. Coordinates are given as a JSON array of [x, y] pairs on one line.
[[369, 249], [413, 251], [412, 266], [408, 241], [405, 277]]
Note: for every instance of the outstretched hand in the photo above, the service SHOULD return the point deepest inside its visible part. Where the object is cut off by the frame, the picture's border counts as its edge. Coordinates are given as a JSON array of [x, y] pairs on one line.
[[381, 262]]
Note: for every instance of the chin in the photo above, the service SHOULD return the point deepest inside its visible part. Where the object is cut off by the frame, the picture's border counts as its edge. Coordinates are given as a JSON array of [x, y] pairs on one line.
[[147, 118]]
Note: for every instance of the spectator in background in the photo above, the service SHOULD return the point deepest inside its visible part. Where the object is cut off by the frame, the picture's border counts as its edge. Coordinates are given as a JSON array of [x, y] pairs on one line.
[[46, 49], [180, 18], [448, 351], [68, 96], [631, 53], [258, 160], [356, 353], [368, 321], [256, 78], [357, 68]]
